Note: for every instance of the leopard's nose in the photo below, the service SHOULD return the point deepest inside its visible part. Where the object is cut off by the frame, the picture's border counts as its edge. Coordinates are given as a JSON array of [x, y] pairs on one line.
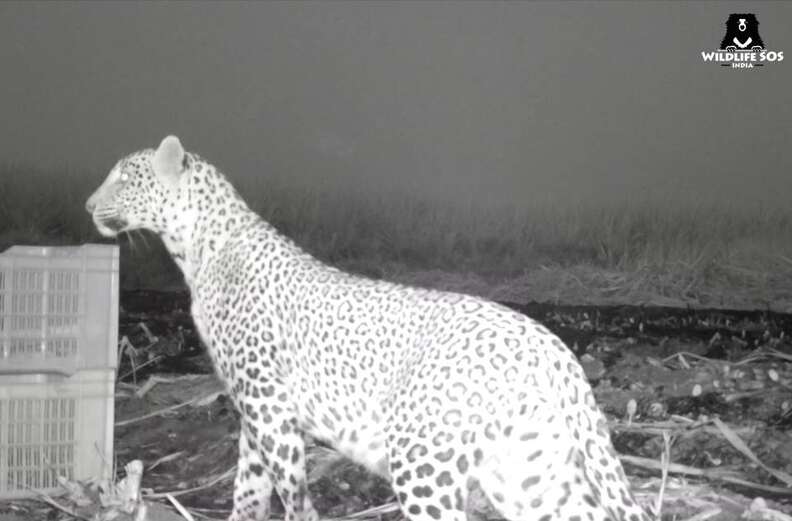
[[90, 205]]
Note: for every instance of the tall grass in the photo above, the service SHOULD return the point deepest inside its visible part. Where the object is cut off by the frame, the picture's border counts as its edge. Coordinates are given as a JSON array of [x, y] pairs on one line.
[[509, 238], [377, 233]]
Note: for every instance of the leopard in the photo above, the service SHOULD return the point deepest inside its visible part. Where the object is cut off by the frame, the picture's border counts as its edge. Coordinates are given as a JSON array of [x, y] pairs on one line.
[[445, 395]]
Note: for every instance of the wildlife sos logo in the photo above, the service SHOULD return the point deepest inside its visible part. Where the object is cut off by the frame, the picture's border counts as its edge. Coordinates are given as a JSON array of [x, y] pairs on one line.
[[742, 47]]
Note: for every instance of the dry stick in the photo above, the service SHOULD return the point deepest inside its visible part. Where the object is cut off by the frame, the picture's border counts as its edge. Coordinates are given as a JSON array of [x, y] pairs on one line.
[[691, 355], [126, 345], [225, 475], [158, 412], [165, 459], [146, 331], [779, 354], [387, 508], [657, 428], [677, 468], [41, 496], [141, 366], [733, 397], [200, 515], [703, 516], [179, 508], [203, 513], [665, 459], [141, 391], [740, 445], [732, 437], [200, 511], [154, 380], [770, 353], [46, 499]]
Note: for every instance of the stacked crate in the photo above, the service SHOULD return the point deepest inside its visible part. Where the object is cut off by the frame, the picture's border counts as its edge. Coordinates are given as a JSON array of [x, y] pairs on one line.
[[58, 357]]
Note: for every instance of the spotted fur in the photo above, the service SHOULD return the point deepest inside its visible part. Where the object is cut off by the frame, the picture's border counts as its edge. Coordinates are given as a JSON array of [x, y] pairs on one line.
[[442, 393]]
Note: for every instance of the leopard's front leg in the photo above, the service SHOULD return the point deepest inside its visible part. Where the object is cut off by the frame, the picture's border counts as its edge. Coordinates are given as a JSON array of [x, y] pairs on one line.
[[272, 453], [271, 446], [252, 486]]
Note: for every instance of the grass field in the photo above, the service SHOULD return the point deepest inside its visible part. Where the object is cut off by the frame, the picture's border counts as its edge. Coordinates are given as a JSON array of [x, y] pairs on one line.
[[638, 251]]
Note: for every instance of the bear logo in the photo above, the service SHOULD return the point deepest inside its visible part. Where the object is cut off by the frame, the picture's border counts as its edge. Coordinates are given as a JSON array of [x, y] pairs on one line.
[[742, 33]]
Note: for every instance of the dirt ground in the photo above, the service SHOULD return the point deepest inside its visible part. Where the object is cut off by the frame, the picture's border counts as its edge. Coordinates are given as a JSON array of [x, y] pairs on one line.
[[700, 403]]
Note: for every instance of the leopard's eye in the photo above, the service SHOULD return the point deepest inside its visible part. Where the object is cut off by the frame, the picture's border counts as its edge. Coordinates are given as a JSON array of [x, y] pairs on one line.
[[124, 177]]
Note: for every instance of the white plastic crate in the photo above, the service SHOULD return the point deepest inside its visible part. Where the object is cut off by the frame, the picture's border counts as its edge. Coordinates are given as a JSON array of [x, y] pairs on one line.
[[53, 425], [58, 308]]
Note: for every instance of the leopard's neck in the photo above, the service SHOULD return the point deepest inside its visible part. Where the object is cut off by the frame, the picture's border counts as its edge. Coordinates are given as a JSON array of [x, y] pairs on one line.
[[211, 212]]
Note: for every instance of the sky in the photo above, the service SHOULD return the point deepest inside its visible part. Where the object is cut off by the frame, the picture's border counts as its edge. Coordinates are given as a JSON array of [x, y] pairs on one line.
[[498, 101]]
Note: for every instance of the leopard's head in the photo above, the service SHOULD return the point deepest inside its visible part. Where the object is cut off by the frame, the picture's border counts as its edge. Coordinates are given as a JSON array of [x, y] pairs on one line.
[[145, 190]]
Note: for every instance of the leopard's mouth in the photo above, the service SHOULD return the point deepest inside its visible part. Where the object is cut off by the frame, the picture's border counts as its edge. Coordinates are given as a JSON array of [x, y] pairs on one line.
[[109, 224]]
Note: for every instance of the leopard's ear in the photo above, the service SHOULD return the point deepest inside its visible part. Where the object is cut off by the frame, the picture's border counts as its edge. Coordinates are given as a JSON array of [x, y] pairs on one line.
[[169, 161]]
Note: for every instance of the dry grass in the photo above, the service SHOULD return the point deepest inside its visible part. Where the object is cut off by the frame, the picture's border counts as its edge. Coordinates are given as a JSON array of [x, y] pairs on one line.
[[649, 250]]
